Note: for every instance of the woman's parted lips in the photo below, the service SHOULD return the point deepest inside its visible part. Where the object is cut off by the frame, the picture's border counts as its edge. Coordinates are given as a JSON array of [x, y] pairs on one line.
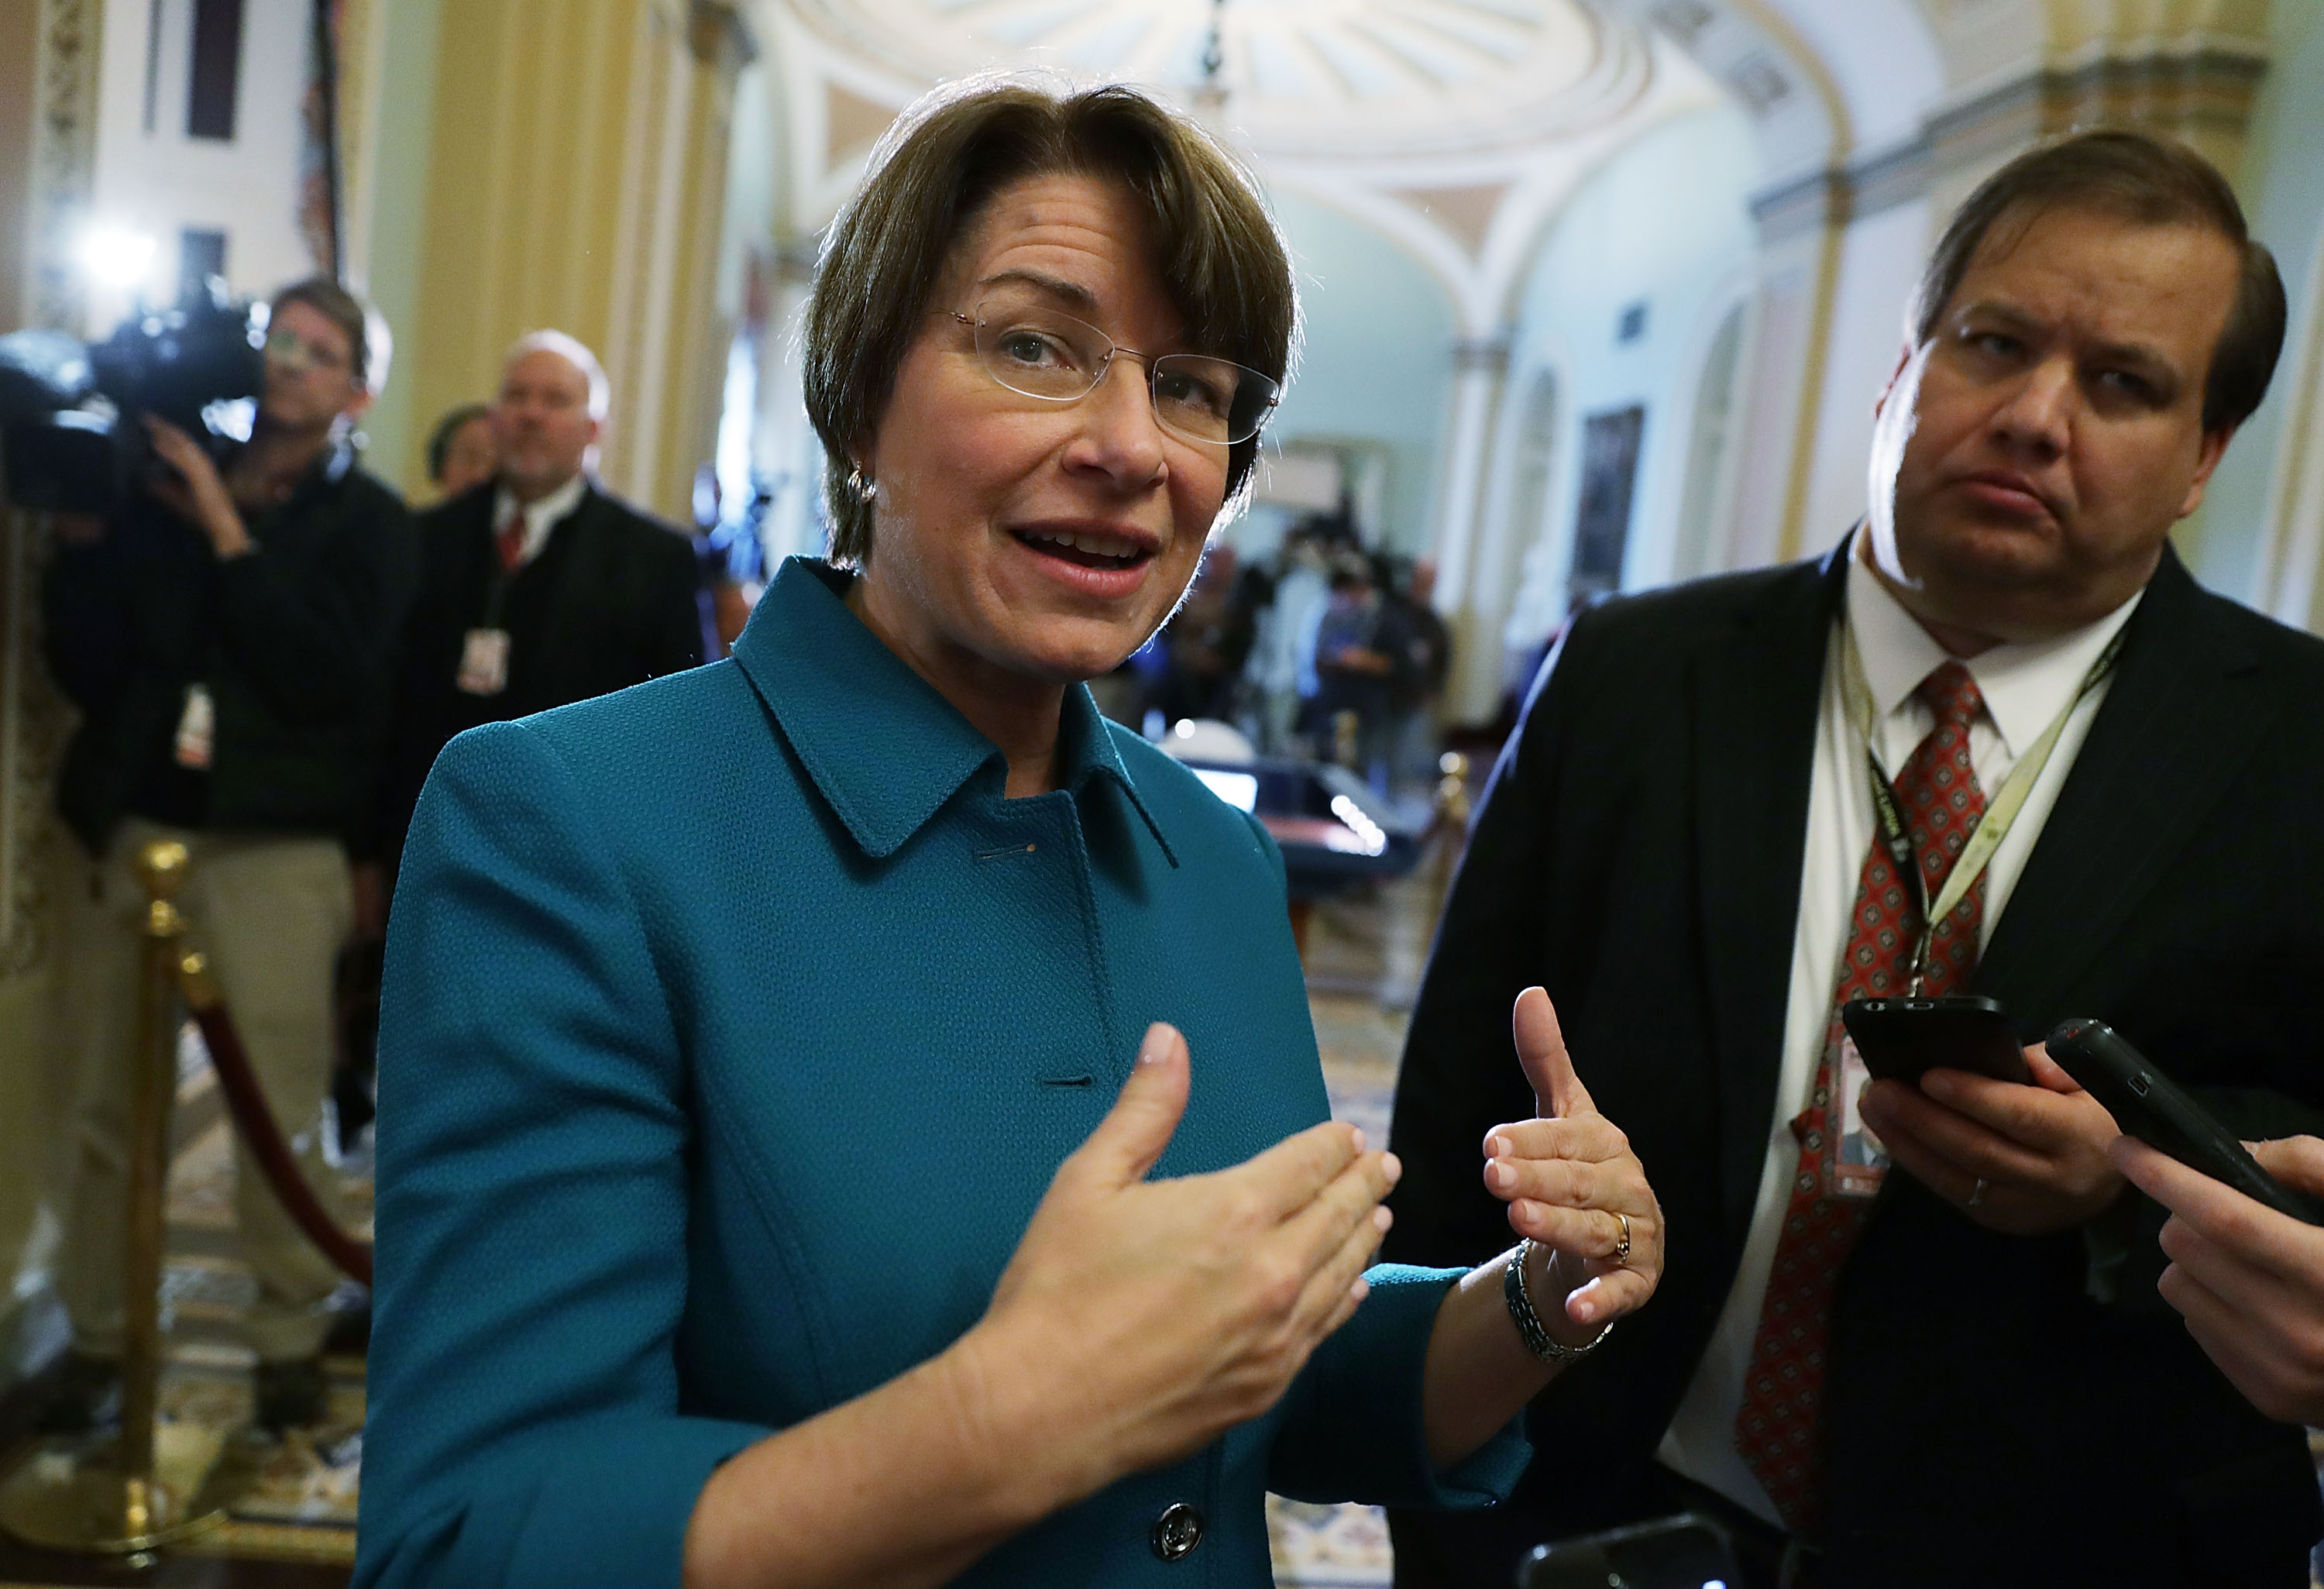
[[1118, 544]]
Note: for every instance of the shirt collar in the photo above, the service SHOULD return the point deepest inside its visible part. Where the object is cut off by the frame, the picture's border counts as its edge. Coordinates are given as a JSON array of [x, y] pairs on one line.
[[882, 745], [2026, 684], [543, 513]]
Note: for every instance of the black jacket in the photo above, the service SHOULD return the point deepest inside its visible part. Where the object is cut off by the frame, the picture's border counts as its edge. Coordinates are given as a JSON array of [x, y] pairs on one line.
[[293, 640], [611, 600], [1639, 855]]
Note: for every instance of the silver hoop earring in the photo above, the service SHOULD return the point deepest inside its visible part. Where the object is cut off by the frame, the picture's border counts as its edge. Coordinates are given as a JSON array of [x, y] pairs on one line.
[[864, 487]]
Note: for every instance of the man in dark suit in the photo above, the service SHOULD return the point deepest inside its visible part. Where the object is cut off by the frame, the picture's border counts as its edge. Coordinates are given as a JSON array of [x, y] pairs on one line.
[[539, 588], [1911, 1335]]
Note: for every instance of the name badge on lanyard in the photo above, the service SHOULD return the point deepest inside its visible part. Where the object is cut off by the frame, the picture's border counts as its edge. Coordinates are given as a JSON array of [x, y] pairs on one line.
[[196, 730], [1857, 1161], [484, 663]]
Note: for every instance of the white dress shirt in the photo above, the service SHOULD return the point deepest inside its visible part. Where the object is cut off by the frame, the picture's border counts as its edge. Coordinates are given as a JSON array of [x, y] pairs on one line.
[[2026, 686], [540, 516]]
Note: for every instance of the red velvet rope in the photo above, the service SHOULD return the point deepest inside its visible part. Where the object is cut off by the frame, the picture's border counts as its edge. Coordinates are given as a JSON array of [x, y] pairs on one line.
[[246, 1100]]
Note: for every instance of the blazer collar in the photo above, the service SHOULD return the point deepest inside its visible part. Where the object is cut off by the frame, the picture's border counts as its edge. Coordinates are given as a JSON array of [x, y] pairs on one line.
[[882, 745]]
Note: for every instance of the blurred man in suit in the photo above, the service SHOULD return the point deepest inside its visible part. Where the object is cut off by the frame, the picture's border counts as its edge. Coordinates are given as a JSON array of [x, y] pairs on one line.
[[538, 587], [1999, 743]]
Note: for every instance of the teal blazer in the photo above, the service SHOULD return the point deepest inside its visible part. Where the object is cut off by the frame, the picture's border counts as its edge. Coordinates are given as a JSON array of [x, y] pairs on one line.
[[733, 1026]]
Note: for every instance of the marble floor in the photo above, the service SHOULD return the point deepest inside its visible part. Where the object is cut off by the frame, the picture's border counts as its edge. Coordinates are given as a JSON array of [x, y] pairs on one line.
[[1364, 957]]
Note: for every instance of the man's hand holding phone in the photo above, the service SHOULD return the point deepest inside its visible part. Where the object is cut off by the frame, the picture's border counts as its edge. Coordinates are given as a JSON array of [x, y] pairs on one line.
[[2023, 1160], [2249, 1280]]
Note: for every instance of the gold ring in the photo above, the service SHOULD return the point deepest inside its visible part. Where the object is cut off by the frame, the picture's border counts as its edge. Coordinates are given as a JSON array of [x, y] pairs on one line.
[[1621, 1253]]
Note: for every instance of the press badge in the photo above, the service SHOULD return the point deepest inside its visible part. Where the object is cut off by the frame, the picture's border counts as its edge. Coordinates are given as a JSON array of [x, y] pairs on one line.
[[484, 663], [1859, 1161], [196, 729]]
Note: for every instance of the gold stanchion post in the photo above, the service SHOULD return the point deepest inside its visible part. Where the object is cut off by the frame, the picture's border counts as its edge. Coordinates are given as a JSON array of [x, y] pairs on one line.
[[102, 1495]]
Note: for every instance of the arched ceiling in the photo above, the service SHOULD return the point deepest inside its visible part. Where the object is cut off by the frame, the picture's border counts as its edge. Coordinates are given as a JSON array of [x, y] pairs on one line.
[[1356, 78]]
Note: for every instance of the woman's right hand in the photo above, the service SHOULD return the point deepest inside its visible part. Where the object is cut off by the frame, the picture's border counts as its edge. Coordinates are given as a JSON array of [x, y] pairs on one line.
[[1138, 1319]]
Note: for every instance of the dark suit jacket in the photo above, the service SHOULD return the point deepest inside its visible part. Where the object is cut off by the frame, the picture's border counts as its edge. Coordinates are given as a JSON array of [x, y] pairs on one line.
[[1639, 855], [610, 601]]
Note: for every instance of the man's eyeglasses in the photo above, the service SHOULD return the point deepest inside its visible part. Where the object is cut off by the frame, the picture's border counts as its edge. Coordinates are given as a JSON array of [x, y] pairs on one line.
[[1040, 353], [300, 354]]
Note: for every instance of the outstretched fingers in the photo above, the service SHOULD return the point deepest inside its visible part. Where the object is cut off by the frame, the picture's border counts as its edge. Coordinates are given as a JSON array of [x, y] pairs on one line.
[[1294, 1173], [1591, 1139], [1336, 1288]]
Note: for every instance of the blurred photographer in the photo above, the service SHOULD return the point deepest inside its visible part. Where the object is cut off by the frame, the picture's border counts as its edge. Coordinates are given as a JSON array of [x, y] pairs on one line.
[[226, 636]]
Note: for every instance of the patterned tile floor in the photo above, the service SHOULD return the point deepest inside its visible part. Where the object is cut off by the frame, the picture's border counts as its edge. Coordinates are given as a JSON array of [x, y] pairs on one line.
[[301, 1506], [1363, 958]]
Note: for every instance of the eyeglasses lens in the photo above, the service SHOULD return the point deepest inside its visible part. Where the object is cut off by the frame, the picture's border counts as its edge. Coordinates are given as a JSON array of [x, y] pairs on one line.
[[1054, 356], [297, 354]]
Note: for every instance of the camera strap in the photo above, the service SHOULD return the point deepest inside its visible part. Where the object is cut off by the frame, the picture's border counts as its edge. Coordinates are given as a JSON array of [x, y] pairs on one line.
[[2001, 812]]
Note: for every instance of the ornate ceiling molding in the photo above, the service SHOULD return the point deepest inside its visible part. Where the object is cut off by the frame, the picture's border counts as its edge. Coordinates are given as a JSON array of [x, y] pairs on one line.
[[1464, 213], [1352, 79]]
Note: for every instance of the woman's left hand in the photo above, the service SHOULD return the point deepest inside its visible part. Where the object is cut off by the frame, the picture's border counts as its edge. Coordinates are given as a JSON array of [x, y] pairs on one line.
[[1566, 1175]]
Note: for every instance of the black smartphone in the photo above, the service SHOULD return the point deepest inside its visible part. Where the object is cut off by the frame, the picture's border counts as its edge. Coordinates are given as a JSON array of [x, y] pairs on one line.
[[1902, 1038], [1688, 1551], [2149, 1106]]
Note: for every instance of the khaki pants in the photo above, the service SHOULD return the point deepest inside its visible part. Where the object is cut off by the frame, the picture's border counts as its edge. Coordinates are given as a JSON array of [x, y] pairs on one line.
[[272, 915]]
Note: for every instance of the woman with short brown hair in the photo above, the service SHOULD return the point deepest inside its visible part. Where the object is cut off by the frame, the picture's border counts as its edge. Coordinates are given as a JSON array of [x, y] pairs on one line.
[[775, 1187]]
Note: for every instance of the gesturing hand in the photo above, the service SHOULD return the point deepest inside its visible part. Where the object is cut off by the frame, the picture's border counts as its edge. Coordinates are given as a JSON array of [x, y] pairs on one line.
[[2023, 1160], [1565, 1175], [1138, 1319]]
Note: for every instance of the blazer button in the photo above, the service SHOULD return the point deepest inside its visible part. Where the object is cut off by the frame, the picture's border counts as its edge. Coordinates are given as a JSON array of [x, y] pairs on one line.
[[1177, 1531]]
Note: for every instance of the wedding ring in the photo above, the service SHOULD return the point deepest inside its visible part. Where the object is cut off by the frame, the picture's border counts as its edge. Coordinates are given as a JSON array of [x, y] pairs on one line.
[[1621, 1253], [1977, 1192]]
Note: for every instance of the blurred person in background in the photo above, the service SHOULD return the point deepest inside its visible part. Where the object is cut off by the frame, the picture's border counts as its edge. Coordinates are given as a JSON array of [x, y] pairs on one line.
[[461, 452], [543, 590], [1281, 668], [227, 637], [1346, 717], [1209, 638], [1419, 649]]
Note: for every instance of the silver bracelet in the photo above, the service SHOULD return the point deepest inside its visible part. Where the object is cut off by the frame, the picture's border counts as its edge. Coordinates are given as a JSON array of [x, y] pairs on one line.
[[1530, 1329]]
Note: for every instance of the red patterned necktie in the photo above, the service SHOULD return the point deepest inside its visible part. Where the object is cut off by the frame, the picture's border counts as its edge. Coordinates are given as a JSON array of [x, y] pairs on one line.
[[511, 540], [1778, 1429]]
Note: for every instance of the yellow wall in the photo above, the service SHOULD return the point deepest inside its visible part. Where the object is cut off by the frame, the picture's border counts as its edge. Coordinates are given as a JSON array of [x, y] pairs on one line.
[[576, 166], [19, 48]]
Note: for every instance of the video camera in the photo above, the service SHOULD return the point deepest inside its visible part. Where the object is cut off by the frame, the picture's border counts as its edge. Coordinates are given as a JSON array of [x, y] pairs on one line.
[[70, 440]]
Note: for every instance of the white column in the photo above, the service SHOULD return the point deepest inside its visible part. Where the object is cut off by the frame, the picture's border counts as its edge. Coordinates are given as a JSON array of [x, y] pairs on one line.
[[1480, 367]]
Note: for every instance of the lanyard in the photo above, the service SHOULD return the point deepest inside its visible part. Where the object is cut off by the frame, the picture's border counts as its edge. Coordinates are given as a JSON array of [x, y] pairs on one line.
[[2000, 812]]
